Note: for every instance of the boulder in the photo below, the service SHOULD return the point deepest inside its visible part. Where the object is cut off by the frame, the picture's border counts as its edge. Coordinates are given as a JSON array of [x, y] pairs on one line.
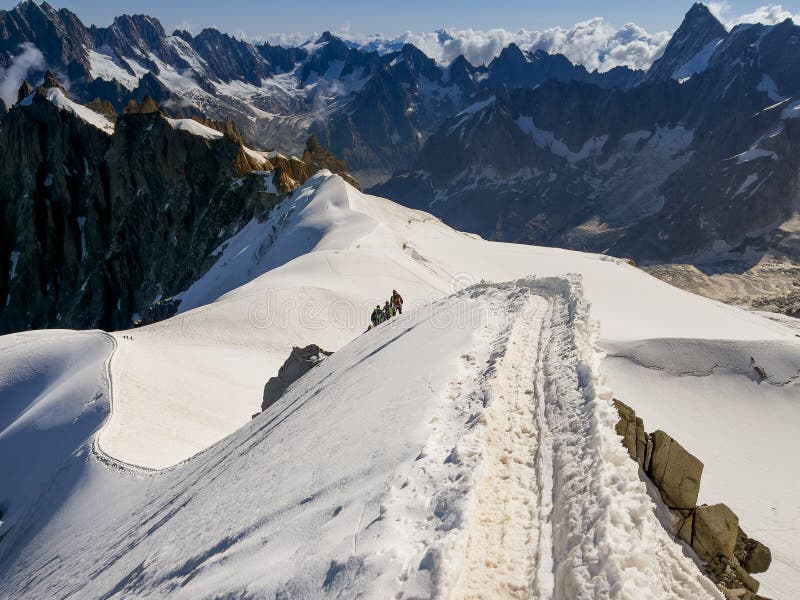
[[754, 556], [715, 531], [749, 582], [300, 362], [675, 471]]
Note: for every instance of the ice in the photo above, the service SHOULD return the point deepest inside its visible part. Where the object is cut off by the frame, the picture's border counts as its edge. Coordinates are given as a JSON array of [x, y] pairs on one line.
[[546, 139], [104, 65], [753, 154]]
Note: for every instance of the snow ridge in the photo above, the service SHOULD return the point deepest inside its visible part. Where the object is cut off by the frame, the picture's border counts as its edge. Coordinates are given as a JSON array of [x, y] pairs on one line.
[[599, 502]]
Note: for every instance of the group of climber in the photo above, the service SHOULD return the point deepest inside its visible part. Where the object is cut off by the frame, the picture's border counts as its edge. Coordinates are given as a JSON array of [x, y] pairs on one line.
[[392, 307]]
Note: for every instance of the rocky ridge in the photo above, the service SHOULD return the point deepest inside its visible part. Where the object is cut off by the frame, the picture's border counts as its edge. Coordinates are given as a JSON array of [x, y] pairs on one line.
[[729, 555], [373, 110], [99, 227]]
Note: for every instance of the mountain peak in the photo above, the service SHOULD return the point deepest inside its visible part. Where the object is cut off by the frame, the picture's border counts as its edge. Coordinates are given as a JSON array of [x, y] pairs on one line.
[[700, 20], [698, 29]]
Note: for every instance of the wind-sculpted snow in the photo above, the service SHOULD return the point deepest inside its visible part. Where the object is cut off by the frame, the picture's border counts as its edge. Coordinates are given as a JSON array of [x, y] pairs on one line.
[[371, 475], [54, 394]]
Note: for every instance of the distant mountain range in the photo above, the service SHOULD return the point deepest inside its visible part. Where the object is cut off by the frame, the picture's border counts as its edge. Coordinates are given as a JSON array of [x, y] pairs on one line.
[[695, 160], [375, 110]]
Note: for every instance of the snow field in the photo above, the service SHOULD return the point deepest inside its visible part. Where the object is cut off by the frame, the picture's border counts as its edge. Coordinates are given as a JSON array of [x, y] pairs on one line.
[[706, 394], [54, 394], [384, 470], [195, 128]]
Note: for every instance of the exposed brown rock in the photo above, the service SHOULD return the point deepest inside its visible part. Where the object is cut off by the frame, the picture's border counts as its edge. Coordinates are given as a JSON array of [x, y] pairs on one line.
[[715, 530], [712, 531], [227, 128], [321, 158], [50, 81], [25, 90], [675, 471], [631, 428], [754, 556], [148, 105], [685, 525], [104, 107]]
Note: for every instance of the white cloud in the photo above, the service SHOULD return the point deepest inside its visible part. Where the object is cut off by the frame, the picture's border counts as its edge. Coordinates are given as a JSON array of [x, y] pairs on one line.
[[595, 43], [769, 14], [17, 71]]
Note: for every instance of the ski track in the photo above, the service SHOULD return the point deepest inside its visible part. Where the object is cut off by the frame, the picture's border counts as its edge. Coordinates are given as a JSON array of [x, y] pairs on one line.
[[504, 540], [538, 497]]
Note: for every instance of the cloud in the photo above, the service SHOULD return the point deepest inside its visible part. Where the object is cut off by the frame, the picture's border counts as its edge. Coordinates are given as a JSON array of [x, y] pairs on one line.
[[595, 43], [769, 14], [17, 71]]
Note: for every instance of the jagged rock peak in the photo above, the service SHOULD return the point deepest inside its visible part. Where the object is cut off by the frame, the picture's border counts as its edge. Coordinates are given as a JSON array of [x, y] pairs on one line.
[[104, 107], [148, 105], [25, 90], [183, 34], [50, 81], [699, 28]]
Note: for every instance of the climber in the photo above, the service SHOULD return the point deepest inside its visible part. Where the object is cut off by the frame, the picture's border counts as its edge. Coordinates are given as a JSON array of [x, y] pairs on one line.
[[397, 302], [388, 311], [377, 316]]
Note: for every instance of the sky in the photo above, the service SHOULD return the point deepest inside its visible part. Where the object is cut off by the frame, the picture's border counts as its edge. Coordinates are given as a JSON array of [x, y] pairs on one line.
[[597, 35], [259, 18]]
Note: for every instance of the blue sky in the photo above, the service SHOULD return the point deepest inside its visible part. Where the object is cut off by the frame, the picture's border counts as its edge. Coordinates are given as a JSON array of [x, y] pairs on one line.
[[259, 17]]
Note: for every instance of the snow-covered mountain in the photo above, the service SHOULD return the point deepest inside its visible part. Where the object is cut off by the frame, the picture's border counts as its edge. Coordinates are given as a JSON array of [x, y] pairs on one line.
[[690, 47], [696, 163], [103, 218], [380, 470], [372, 109], [464, 448]]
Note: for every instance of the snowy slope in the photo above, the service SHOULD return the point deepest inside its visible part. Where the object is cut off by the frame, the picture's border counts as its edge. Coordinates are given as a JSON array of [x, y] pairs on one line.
[[195, 128], [57, 97], [53, 397], [402, 468], [310, 274]]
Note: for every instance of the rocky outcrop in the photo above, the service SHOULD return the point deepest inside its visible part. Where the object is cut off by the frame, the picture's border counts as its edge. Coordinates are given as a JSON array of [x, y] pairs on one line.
[[321, 158], [103, 107], [728, 554], [95, 228], [147, 105], [300, 362], [676, 472]]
